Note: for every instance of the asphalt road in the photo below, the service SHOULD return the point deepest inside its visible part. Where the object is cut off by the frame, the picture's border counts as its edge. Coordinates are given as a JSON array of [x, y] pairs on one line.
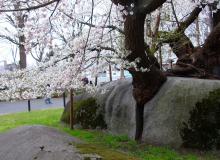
[[22, 106]]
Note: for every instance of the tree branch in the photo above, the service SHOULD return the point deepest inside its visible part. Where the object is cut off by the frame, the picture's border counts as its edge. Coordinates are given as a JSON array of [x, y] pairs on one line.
[[192, 17], [30, 8], [99, 48], [95, 26], [106, 26], [9, 39]]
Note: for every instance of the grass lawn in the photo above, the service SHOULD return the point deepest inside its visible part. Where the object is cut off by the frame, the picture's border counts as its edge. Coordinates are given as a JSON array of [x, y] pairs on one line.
[[108, 146]]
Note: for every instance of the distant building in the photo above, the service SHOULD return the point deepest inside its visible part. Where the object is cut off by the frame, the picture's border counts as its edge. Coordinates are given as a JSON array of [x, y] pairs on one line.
[[104, 76], [7, 67]]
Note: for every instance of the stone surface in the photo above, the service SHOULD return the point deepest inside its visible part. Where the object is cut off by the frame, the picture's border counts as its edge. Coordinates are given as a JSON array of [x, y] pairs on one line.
[[37, 143], [163, 115], [91, 157], [120, 108], [119, 105]]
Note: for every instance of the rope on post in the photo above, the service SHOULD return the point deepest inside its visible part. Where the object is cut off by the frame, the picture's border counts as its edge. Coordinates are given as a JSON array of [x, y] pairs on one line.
[[71, 109]]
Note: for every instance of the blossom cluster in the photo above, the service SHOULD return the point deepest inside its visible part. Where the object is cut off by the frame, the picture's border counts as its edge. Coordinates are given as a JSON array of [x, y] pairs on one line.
[[74, 37]]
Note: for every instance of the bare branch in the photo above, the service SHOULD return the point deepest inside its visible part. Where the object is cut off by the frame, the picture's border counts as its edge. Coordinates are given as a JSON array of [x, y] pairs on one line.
[[30, 8], [174, 13], [9, 39], [192, 17], [107, 26], [95, 26], [99, 48]]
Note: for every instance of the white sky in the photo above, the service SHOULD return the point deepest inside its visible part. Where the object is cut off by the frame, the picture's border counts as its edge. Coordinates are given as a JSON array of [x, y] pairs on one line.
[[6, 54], [6, 47]]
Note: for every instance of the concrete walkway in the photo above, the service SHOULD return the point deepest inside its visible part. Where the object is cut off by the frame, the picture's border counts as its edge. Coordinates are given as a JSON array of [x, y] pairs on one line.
[[22, 106], [38, 143]]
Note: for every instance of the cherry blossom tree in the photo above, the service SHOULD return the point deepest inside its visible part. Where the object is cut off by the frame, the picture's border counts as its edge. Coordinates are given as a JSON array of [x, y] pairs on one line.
[[110, 32], [81, 47], [14, 34]]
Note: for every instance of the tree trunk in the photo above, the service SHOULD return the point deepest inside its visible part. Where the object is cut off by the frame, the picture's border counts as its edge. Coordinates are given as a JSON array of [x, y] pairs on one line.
[[23, 57], [216, 15], [182, 47], [210, 18], [145, 84], [210, 55], [110, 72], [97, 63], [21, 38]]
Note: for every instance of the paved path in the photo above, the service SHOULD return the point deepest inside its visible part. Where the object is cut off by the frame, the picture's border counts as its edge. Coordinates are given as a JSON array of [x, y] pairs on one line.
[[38, 143], [22, 106]]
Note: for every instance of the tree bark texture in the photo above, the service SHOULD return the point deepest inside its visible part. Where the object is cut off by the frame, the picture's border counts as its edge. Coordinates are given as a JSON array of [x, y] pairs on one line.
[[21, 38], [145, 84], [22, 53], [210, 53], [196, 61]]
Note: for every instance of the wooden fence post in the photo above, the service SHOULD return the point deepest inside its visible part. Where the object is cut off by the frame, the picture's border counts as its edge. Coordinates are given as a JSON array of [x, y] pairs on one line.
[[64, 99], [71, 109]]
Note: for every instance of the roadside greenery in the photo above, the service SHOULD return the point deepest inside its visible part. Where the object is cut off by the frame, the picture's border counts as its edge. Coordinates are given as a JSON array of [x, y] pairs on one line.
[[110, 147]]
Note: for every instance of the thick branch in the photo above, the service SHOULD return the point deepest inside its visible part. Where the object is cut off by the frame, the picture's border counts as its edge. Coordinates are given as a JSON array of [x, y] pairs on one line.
[[178, 41], [214, 14], [210, 55], [192, 17], [148, 6], [141, 6]]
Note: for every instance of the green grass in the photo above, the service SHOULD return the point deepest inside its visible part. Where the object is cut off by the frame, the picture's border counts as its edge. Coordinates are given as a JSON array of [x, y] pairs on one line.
[[50, 117], [108, 146]]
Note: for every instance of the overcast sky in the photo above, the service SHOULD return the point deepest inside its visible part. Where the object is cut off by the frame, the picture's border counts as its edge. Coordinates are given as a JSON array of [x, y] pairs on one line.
[[5, 54]]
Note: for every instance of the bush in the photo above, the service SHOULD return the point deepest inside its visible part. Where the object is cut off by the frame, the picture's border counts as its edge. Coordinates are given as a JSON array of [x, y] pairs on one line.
[[203, 128], [88, 114]]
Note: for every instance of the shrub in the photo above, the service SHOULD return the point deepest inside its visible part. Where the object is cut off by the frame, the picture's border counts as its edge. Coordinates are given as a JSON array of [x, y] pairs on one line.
[[203, 128], [88, 114]]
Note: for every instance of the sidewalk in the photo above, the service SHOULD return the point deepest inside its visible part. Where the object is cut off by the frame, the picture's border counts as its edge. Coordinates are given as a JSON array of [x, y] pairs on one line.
[[22, 106]]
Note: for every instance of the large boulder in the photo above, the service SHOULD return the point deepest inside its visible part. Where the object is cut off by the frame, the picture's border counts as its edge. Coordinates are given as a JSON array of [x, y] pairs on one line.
[[163, 115], [119, 106]]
